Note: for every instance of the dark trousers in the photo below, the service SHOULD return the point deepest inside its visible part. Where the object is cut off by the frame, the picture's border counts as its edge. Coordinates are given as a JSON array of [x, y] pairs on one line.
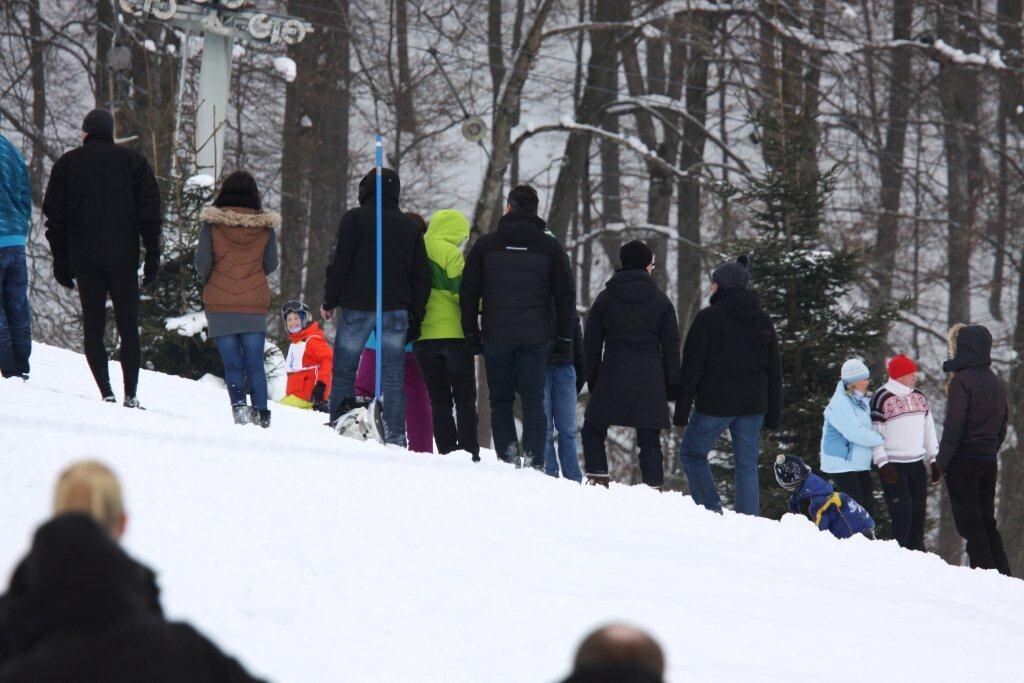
[[595, 458], [15, 313], [449, 371], [512, 369], [972, 493], [121, 284], [857, 485], [244, 371], [906, 500]]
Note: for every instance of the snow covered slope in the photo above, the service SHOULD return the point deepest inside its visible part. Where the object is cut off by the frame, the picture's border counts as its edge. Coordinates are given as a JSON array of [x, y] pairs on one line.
[[314, 558]]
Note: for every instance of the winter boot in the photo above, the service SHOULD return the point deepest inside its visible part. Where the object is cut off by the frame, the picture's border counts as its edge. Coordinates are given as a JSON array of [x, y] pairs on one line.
[[511, 456], [132, 402], [536, 463], [262, 417], [242, 413], [598, 480], [109, 398]]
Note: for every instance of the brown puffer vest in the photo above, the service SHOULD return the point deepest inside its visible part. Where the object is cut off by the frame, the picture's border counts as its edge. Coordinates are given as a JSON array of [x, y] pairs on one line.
[[237, 282]]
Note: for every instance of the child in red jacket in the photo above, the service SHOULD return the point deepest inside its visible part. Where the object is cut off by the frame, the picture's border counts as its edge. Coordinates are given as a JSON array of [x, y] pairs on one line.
[[309, 362]]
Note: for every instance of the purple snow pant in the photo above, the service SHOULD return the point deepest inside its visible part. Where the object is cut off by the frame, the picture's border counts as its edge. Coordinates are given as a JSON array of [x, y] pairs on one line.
[[419, 423]]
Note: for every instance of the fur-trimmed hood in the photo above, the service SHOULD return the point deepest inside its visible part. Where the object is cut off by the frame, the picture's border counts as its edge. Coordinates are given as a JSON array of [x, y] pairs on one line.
[[970, 346], [240, 217]]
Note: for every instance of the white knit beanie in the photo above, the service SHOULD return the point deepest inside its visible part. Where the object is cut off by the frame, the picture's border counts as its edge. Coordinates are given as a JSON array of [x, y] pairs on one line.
[[854, 370]]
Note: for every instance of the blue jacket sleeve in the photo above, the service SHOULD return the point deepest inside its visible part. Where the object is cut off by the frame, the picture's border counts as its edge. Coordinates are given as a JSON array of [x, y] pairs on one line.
[[853, 431], [24, 206]]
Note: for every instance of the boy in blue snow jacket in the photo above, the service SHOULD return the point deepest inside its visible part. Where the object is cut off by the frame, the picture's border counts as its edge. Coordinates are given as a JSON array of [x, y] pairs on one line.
[[817, 500], [15, 215]]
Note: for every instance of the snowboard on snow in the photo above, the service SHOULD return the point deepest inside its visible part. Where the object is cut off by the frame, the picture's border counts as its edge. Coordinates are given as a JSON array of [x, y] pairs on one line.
[[365, 422]]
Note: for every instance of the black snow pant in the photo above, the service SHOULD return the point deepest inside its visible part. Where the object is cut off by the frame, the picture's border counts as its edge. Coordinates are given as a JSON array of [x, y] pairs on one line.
[[449, 371], [121, 284], [595, 458], [906, 500], [857, 485], [972, 492]]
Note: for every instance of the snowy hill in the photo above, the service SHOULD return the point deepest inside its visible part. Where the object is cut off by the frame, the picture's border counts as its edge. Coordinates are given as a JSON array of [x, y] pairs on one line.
[[314, 558]]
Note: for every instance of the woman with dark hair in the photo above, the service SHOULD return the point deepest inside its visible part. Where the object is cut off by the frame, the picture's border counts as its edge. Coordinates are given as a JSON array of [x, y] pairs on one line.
[[237, 250]]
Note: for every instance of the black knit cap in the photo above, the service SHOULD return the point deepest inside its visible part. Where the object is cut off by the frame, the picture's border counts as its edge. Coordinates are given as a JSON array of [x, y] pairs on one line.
[[635, 255], [732, 275], [99, 122]]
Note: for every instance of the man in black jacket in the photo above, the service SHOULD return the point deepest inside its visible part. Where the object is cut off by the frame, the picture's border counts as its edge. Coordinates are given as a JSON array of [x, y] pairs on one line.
[[352, 286], [100, 200], [974, 431], [79, 608], [631, 346], [732, 370], [516, 271]]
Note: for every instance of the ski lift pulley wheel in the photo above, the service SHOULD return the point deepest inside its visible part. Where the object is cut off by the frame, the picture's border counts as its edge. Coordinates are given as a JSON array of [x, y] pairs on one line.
[[232, 4], [260, 26], [161, 9], [474, 129]]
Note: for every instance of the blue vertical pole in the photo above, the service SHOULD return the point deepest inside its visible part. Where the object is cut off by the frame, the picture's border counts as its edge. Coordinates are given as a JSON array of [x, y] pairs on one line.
[[380, 266]]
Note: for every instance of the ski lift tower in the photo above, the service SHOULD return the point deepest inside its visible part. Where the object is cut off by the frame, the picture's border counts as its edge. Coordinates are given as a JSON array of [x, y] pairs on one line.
[[220, 22]]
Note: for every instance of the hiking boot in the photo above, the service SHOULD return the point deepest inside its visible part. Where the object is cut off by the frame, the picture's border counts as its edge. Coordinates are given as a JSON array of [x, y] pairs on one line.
[[598, 480], [242, 414], [262, 417], [132, 402]]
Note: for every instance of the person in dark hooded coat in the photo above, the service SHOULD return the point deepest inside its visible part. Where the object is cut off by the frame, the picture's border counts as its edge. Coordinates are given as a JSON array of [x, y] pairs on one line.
[[631, 345], [732, 379], [78, 603], [351, 286], [974, 431]]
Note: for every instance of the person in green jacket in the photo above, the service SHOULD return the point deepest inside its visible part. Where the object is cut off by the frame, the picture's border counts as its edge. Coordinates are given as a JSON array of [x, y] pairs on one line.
[[445, 359]]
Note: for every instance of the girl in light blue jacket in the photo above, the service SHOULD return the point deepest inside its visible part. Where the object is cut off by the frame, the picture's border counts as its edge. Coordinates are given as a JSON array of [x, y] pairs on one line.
[[847, 436]]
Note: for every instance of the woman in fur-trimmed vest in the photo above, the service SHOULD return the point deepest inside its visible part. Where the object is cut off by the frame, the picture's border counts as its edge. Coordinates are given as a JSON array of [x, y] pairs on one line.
[[237, 250]]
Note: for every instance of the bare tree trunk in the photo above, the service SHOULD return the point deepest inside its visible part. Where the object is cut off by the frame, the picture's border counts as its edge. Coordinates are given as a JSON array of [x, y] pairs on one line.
[[692, 153], [405, 112], [891, 159], [104, 41], [598, 92], [494, 45], [38, 103], [488, 206], [958, 94]]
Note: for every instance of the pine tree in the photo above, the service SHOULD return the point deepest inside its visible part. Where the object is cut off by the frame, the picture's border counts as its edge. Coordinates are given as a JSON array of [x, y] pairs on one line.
[[185, 352], [806, 287]]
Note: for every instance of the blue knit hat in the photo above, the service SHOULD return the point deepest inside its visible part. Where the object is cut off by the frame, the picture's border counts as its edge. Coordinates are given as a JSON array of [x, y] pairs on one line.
[[854, 370]]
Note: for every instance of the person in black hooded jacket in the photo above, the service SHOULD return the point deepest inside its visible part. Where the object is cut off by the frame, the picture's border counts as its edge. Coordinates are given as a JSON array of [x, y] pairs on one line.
[[100, 200], [732, 371], [631, 346], [78, 603], [974, 431], [351, 285], [516, 271]]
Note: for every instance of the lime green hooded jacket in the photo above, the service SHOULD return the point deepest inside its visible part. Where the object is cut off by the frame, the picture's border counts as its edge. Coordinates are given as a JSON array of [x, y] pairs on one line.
[[447, 230]]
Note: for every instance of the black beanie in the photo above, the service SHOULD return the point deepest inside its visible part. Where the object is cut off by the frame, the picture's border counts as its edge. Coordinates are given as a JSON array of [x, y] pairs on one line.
[[635, 255], [99, 122], [732, 275]]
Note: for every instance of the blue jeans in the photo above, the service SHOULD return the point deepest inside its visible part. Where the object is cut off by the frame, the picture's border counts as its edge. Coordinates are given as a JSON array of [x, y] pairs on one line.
[[244, 371], [560, 409], [15, 313], [701, 433], [354, 329], [512, 369]]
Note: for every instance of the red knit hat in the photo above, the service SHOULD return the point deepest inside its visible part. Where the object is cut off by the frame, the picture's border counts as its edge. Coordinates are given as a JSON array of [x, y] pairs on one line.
[[901, 366]]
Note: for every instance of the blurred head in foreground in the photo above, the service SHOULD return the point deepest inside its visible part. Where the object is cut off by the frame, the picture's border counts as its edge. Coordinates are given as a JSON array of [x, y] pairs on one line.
[[618, 653], [90, 487]]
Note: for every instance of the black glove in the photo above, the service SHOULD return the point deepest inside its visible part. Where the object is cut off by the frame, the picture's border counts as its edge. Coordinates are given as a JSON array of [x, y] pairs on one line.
[[888, 473], [474, 345], [561, 350], [151, 268], [319, 389], [322, 407], [414, 331], [62, 274], [936, 472]]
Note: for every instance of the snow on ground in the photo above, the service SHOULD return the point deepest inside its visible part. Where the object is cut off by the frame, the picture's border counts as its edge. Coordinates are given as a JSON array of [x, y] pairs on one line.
[[314, 558]]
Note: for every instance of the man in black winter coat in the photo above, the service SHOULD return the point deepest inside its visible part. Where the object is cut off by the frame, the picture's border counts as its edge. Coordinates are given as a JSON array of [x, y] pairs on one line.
[[516, 271], [100, 200], [351, 286], [732, 371], [631, 345], [974, 431], [79, 608]]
